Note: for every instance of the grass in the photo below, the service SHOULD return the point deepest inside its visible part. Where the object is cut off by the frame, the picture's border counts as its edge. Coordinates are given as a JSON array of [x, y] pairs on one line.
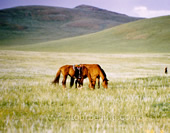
[[143, 36], [137, 99]]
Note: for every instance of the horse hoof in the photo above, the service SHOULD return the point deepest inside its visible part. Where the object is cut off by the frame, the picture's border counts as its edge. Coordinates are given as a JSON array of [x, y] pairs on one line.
[[79, 88]]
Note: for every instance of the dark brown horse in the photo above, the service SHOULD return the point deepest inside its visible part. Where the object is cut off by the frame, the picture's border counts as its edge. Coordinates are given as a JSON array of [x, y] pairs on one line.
[[74, 71], [95, 72]]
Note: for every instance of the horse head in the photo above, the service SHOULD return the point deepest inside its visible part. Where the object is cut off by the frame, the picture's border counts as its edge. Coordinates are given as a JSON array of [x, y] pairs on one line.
[[78, 71], [105, 83]]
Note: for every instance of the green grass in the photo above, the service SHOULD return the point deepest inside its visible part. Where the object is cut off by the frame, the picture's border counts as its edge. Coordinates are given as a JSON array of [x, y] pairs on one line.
[[137, 99], [143, 36]]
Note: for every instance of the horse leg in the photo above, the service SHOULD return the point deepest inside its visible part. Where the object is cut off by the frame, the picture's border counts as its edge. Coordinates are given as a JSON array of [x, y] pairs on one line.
[[98, 82], [81, 83], [93, 83], [71, 82], [64, 81], [76, 83]]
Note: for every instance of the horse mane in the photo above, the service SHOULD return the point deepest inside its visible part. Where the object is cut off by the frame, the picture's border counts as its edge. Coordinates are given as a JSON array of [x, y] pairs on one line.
[[103, 73]]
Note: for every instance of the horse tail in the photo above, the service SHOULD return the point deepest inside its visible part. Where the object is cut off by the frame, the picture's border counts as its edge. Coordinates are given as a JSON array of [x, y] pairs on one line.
[[56, 80]]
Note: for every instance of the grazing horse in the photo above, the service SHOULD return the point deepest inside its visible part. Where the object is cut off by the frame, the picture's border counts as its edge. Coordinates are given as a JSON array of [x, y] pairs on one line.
[[74, 71], [71, 70], [95, 72], [83, 73]]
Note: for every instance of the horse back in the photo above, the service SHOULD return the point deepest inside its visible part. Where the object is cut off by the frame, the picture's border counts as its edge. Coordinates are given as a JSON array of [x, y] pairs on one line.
[[67, 70], [96, 70]]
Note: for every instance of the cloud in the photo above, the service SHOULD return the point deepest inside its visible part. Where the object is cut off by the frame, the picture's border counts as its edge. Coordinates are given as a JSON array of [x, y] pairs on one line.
[[143, 11]]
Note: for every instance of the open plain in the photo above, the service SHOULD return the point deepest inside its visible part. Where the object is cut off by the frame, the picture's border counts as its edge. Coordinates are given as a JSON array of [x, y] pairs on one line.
[[137, 99]]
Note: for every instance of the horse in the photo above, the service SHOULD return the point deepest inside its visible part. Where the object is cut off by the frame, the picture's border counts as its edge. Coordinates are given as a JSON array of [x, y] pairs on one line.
[[66, 70], [74, 71], [83, 73], [95, 71]]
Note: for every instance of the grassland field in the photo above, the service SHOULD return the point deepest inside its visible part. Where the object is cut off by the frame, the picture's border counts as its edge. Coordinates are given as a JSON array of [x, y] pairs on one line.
[[136, 101]]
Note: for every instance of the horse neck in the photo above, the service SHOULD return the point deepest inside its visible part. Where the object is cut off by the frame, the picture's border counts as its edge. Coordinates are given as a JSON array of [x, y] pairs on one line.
[[102, 74]]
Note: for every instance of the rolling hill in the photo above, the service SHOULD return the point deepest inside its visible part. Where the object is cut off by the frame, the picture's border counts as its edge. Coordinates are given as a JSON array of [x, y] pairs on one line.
[[33, 24], [142, 36]]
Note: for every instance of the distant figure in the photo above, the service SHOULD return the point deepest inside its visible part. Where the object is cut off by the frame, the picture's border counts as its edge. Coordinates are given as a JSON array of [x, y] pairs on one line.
[[166, 70]]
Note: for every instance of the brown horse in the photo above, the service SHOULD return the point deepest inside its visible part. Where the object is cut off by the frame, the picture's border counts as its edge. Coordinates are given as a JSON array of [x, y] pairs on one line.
[[83, 73], [95, 72], [74, 71]]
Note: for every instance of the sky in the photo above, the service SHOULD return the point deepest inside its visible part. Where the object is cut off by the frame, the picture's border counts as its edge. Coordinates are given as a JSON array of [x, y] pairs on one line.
[[136, 8]]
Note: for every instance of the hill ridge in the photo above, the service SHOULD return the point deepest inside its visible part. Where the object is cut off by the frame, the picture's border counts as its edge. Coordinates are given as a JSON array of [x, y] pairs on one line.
[[142, 36], [93, 8], [33, 24]]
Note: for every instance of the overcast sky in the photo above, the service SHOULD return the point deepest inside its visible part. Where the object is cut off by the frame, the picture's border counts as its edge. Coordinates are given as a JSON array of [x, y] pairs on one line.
[[137, 8]]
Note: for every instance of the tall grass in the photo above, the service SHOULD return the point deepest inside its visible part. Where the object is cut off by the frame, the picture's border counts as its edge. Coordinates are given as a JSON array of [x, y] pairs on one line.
[[29, 103]]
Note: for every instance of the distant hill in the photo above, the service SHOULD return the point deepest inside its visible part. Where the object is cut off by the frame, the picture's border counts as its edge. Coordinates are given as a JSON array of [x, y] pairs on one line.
[[142, 36], [33, 24]]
